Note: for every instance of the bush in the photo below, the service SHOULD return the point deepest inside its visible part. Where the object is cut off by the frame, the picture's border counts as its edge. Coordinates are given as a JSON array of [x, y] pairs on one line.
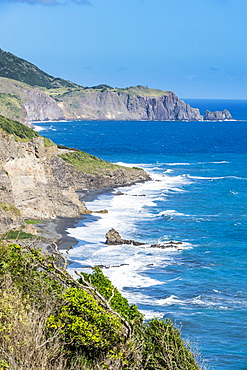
[[50, 321]]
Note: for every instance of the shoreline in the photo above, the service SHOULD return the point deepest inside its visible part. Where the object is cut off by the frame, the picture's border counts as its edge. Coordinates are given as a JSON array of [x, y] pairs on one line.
[[55, 231]]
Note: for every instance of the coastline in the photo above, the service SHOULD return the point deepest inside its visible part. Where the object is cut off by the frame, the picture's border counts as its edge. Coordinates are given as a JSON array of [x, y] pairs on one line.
[[55, 231]]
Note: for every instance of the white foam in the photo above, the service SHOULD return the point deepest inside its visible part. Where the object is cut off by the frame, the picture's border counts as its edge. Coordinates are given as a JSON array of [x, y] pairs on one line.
[[178, 164], [170, 213], [127, 262], [206, 178], [150, 314], [39, 128]]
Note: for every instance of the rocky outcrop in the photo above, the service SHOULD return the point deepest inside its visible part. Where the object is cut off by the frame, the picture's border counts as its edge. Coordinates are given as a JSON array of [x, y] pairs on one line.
[[113, 238], [108, 104], [36, 183], [223, 115]]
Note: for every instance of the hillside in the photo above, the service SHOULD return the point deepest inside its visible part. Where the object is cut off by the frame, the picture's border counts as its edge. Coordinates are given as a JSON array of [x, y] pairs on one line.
[[28, 94], [38, 180], [20, 70]]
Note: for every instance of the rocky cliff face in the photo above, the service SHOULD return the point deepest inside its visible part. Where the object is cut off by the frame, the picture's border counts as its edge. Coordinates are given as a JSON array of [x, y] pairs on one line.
[[112, 104], [27, 104], [35, 183], [41, 107]]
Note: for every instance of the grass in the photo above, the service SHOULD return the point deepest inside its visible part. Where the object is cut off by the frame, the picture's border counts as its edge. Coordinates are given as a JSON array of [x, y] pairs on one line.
[[33, 222], [11, 208], [19, 235], [21, 132], [63, 92], [87, 163], [11, 103]]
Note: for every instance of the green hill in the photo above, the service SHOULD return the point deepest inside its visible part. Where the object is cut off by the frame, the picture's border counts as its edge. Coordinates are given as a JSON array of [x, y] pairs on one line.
[[19, 69]]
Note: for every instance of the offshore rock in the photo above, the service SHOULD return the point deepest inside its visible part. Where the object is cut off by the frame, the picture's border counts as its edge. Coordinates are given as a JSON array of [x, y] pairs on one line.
[[113, 238], [224, 115], [170, 244]]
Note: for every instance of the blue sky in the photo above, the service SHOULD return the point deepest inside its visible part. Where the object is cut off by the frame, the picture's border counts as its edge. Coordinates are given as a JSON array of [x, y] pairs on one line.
[[196, 48]]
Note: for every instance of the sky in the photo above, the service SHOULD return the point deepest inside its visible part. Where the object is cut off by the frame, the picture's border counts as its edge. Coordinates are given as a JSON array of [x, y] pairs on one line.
[[196, 48]]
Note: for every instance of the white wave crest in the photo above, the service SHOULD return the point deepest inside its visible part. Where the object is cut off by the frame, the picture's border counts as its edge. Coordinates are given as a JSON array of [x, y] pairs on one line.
[[39, 128]]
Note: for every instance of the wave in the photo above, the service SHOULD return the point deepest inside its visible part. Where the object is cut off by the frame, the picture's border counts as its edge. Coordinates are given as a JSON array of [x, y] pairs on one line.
[[215, 178], [39, 128], [206, 177], [170, 213], [178, 164]]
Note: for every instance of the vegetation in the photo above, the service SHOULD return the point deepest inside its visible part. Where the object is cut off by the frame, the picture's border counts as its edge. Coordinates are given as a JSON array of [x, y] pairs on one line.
[[86, 162], [11, 103], [21, 132], [19, 235], [11, 208], [19, 69], [33, 222], [50, 321]]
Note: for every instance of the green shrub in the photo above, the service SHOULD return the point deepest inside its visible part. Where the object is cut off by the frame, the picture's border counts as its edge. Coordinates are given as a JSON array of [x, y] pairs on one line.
[[50, 321], [84, 323], [164, 348], [116, 300]]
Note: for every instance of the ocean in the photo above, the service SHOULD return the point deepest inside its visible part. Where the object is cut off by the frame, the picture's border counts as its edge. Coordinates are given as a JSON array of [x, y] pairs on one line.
[[197, 197]]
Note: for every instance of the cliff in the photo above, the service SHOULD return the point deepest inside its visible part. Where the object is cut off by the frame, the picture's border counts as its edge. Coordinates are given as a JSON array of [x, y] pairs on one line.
[[27, 104], [40, 181], [134, 103], [28, 94]]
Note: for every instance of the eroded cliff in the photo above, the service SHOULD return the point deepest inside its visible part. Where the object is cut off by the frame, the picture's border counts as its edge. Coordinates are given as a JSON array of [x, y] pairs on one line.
[[37, 183]]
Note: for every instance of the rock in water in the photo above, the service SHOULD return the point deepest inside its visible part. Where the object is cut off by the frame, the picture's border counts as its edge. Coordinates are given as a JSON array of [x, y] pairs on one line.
[[217, 115], [113, 238]]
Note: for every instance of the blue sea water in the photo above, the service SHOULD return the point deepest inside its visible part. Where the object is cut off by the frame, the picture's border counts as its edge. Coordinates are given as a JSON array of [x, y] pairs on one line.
[[197, 196]]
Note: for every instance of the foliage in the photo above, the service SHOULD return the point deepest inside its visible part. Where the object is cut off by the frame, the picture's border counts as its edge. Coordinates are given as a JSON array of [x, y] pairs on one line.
[[83, 322], [117, 301], [164, 348], [50, 321], [21, 132], [48, 142], [11, 208], [17, 129]]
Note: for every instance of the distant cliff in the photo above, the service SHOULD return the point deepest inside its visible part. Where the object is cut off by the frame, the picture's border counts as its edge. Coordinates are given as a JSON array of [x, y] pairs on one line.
[[40, 181], [28, 94], [134, 103]]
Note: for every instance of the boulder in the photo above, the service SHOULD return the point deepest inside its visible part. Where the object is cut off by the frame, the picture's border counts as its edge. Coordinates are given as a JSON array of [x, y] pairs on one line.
[[113, 238]]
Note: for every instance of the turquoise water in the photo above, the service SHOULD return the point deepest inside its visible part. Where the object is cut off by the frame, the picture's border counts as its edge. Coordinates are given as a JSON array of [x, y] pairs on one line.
[[197, 196]]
